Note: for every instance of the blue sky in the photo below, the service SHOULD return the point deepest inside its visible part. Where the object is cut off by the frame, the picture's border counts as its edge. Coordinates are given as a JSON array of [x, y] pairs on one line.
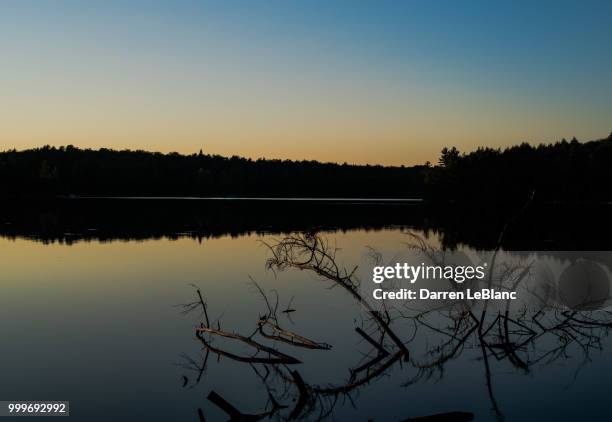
[[384, 82]]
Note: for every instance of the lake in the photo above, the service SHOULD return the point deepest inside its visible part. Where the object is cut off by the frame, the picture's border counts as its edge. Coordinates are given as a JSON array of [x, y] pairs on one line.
[[99, 307]]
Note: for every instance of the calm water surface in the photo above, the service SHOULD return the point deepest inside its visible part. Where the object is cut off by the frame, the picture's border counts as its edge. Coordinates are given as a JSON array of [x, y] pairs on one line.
[[100, 324]]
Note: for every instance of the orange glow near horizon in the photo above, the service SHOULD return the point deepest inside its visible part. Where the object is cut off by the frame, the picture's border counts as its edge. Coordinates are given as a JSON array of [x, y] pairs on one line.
[[382, 85]]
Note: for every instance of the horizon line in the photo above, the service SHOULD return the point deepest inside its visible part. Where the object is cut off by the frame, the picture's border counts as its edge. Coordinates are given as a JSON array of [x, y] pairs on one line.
[[250, 158]]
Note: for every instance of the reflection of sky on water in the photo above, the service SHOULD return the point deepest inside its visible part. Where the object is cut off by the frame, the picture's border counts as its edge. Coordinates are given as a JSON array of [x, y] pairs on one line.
[[95, 324]]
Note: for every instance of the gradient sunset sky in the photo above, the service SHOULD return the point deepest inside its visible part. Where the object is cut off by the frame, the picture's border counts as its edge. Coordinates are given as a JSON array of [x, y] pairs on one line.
[[356, 81]]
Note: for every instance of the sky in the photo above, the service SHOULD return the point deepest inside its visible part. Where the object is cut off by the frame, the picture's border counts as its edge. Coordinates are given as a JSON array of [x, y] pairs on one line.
[[379, 82]]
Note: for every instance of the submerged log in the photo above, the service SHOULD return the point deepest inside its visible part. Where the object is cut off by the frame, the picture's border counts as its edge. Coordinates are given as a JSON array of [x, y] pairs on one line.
[[234, 414], [275, 357], [289, 337]]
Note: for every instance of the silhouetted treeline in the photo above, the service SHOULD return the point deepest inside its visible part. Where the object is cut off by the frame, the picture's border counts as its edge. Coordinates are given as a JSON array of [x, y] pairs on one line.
[[73, 171], [564, 171]]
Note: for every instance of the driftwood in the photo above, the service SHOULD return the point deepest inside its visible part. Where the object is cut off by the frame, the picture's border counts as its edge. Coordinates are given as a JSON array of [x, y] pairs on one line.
[[309, 252], [332, 390], [352, 385], [289, 337], [303, 397], [374, 343], [269, 328], [279, 357], [234, 414], [498, 333]]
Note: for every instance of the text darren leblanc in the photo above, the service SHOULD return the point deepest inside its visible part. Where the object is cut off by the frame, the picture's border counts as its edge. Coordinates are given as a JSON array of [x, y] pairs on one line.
[[426, 294]]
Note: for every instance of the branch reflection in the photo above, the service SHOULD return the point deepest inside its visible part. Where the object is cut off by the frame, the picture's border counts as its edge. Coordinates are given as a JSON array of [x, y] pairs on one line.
[[409, 337]]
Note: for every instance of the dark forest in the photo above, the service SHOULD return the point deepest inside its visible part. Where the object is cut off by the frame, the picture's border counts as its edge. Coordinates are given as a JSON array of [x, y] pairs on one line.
[[563, 171]]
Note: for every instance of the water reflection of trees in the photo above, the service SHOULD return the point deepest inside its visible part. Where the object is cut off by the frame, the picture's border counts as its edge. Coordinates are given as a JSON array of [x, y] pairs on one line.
[[539, 333], [568, 226]]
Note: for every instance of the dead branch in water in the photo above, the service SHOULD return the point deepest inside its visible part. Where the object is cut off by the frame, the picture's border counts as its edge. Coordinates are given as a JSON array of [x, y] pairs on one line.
[[310, 252], [307, 395], [279, 334], [234, 414], [278, 357], [289, 337]]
